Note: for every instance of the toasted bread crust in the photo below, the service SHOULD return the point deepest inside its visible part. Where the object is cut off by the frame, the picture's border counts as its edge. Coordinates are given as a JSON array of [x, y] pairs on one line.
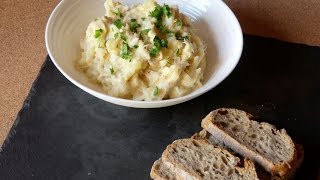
[[162, 171], [156, 167]]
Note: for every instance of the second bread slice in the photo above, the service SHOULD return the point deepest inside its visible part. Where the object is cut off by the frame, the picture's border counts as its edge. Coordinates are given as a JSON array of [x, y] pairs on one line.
[[202, 160]]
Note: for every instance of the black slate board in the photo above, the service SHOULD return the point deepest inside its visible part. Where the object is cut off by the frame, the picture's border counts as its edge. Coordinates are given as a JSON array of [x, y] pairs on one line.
[[64, 133]]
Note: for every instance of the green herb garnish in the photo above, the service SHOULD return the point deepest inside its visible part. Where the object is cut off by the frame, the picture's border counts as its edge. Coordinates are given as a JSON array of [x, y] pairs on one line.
[[97, 33], [118, 13], [158, 43], [164, 43], [159, 23], [145, 31], [136, 46], [160, 10], [179, 23], [157, 12], [143, 18], [163, 29], [111, 70], [156, 91], [118, 23], [123, 37], [116, 35], [154, 52], [166, 10], [177, 52], [125, 51], [134, 25]]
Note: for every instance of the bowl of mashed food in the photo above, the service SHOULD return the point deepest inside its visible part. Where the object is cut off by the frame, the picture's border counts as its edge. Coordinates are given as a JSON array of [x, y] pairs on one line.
[[144, 54]]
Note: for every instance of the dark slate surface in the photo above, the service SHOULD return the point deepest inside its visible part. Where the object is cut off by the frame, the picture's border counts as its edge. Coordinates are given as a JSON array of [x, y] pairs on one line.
[[64, 133]]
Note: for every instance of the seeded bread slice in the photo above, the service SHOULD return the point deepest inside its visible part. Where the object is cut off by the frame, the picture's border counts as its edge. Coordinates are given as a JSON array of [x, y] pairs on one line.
[[202, 160], [273, 149]]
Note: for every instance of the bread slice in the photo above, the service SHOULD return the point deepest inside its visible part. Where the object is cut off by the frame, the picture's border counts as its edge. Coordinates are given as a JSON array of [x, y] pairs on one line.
[[273, 149], [203, 134], [161, 171], [262, 174], [201, 160]]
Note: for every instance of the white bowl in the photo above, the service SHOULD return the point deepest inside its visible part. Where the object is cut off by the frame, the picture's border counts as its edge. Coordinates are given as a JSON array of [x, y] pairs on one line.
[[216, 25]]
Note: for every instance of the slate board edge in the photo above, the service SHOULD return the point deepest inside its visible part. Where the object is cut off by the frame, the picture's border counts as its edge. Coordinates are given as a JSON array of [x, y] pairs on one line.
[[25, 105]]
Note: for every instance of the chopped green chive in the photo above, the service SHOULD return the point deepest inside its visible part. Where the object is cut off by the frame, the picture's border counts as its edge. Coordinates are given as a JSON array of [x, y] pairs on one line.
[[97, 33], [164, 43], [158, 43], [179, 23], [163, 29], [177, 52], [143, 18], [118, 13], [96, 19], [157, 12], [125, 48], [156, 91], [136, 46], [123, 37], [166, 10], [125, 51], [126, 56], [159, 23], [118, 23], [134, 25], [111, 70], [160, 10], [145, 31], [116, 35], [154, 52]]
